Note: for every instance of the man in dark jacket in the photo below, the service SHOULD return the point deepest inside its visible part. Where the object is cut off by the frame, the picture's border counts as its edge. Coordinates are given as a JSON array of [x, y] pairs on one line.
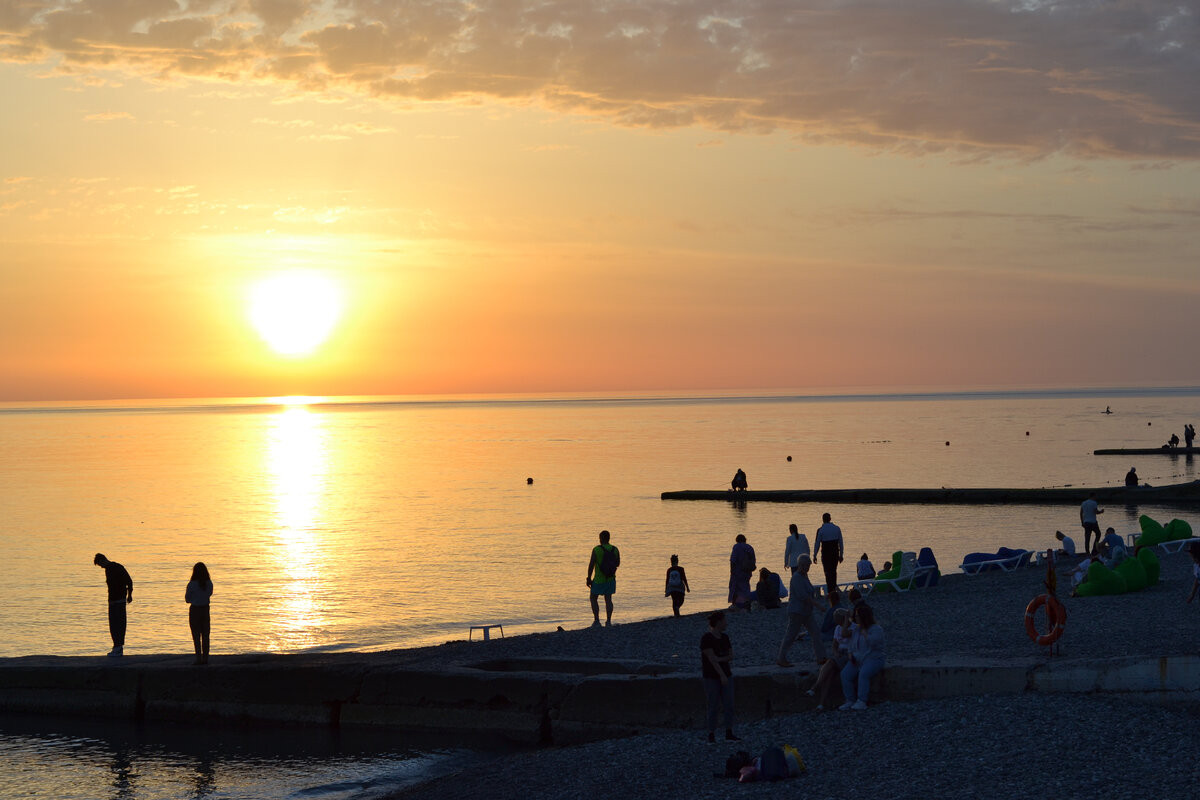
[[120, 594]]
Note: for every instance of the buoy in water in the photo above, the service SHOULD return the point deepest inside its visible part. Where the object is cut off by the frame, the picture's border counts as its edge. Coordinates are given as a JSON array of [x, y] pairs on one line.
[[789, 458], [529, 480]]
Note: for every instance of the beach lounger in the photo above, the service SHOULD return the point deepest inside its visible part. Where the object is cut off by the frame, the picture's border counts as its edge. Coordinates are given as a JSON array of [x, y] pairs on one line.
[[1171, 546], [1005, 560]]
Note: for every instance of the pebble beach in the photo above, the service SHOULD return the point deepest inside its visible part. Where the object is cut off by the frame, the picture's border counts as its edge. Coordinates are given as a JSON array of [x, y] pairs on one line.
[[1002, 745]]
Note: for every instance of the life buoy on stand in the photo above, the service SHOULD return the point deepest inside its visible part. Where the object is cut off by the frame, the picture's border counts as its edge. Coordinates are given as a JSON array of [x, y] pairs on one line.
[[1055, 614]]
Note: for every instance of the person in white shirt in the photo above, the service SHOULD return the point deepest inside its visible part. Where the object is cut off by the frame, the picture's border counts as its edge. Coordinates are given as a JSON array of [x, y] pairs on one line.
[[866, 570], [1068, 544], [1087, 517], [797, 545]]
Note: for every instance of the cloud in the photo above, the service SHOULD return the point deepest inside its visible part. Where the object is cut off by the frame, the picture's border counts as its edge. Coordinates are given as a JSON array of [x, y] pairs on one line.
[[108, 116], [1014, 77]]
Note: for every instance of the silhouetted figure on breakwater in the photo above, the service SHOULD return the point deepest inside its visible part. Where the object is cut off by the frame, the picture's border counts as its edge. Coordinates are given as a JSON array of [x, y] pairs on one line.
[[1131, 478], [120, 594], [1189, 435], [199, 592], [739, 483]]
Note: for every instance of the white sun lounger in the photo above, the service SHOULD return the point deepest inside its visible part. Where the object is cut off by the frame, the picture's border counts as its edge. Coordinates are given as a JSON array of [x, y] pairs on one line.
[[1005, 564]]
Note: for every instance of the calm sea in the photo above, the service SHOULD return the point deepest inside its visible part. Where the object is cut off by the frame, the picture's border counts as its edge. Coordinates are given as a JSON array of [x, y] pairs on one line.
[[366, 524]]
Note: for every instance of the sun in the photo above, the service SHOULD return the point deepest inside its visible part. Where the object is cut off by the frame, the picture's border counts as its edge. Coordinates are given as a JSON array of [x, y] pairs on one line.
[[294, 312]]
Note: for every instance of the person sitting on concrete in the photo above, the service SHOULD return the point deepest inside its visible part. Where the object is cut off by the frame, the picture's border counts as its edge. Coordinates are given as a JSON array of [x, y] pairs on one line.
[[1131, 478], [866, 570], [867, 658], [840, 648], [739, 483]]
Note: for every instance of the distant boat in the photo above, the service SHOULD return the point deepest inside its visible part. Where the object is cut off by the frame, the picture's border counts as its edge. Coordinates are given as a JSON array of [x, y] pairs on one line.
[[1178, 493], [1149, 451]]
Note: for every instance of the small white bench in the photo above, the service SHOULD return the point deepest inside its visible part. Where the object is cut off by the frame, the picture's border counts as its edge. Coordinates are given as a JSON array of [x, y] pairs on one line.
[[487, 631]]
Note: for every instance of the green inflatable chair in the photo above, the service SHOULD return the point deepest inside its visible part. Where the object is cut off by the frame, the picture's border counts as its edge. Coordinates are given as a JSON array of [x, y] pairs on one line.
[[1150, 564], [1152, 532], [1134, 573], [1101, 581], [891, 574], [1177, 529]]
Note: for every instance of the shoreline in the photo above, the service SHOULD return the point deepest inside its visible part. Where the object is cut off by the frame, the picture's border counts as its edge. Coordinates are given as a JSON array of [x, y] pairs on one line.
[[964, 636]]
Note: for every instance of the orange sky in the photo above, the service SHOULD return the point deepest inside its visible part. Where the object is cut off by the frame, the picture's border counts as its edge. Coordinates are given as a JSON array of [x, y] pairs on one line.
[[601, 196]]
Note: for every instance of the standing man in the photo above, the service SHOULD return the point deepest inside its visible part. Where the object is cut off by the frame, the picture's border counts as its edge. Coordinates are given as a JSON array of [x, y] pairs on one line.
[[829, 547], [741, 569], [1087, 518], [120, 594], [797, 545], [716, 653], [602, 577], [802, 602]]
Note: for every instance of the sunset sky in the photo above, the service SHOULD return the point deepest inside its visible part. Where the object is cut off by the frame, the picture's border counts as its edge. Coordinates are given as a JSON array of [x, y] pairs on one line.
[[595, 196]]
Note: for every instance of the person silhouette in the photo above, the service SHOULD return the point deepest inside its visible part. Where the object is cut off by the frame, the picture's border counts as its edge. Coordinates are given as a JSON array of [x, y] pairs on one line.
[[198, 594], [120, 594]]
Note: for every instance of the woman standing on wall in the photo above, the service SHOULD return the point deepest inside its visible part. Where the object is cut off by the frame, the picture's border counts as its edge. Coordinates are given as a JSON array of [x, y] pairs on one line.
[[199, 592]]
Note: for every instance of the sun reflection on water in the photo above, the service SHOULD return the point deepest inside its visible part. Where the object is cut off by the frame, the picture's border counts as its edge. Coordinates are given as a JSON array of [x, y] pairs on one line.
[[297, 460]]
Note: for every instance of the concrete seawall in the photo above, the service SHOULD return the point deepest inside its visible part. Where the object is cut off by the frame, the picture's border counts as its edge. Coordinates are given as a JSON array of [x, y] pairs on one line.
[[525, 700]]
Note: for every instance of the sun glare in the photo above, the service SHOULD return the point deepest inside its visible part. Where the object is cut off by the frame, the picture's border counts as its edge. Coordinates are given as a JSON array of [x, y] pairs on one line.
[[294, 312]]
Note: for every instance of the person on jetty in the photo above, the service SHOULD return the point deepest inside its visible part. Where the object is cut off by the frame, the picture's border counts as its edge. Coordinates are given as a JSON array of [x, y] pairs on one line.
[[603, 565], [120, 594], [739, 481], [1189, 435], [716, 653], [1195, 552], [1173, 442], [866, 570], [198, 594], [1087, 518], [1068, 544], [829, 547], [867, 658], [802, 602], [1131, 478], [677, 584], [797, 545], [766, 591], [742, 565], [842, 631]]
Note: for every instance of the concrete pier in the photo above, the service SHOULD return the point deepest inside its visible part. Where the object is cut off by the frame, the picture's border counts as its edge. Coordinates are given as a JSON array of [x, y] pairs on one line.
[[531, 701]]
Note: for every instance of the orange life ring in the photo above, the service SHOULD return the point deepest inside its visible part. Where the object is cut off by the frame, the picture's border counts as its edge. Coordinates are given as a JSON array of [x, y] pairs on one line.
[[1055, 613]]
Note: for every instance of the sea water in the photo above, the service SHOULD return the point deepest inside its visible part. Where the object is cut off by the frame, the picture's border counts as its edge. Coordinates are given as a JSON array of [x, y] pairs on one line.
[[377, 523]]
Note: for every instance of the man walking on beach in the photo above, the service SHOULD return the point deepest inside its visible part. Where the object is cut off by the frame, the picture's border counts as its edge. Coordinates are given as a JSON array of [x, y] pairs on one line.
[[1087, 518], [120, 594], [829, 547], [602, 577], [802, 602]]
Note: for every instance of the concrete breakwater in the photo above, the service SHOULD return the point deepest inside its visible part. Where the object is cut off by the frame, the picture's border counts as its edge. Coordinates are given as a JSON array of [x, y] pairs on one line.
[[531, 700]]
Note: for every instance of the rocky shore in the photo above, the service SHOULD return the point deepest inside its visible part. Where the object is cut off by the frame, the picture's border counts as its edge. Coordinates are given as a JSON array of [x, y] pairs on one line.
[[1079, 744]]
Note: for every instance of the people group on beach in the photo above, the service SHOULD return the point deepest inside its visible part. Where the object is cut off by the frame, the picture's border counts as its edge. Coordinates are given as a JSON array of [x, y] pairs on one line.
[[197, 595]]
